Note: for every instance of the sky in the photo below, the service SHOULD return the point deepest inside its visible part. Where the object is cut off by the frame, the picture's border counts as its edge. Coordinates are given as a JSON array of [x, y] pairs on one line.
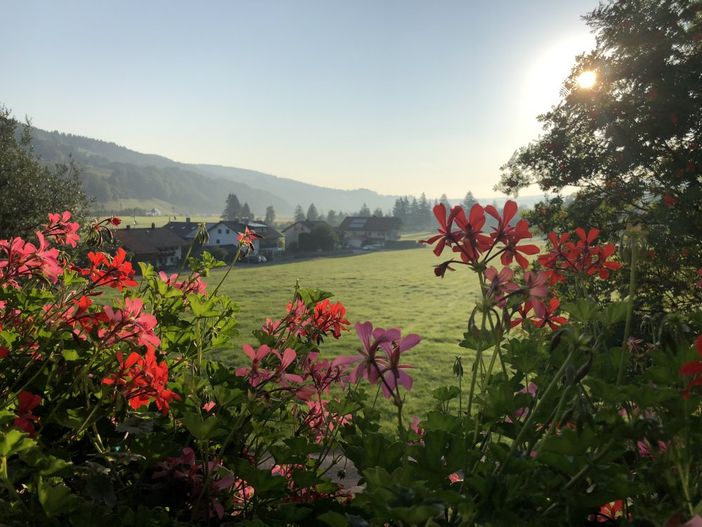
[[398, 96]]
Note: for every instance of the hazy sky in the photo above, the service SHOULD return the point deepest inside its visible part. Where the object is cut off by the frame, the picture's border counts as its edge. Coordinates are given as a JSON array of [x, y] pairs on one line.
[[397, 96]]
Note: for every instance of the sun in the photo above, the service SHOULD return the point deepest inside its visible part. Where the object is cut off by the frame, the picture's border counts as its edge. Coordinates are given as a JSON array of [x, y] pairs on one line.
[[586, 79]]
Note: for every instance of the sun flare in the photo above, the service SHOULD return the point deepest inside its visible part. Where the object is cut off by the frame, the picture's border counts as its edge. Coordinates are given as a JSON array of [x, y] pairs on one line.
[[586, 79]]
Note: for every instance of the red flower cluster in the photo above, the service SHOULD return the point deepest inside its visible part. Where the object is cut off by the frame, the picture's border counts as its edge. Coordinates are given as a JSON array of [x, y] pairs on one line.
[[142, 379], [222, 484], [26, 404], [129, 324], [22, 259], [465, 236], [386, 368], [328, 317], [115, 272], [321, 421], [693, 369], [258, 374], [581, 256], [62, 230], [324, 318], [192, 285], [247, 238]]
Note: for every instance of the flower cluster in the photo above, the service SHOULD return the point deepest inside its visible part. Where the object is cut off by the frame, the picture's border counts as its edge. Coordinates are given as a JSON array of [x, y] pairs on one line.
[[26, 403], [259, 374], [191, 285], [579, 256], [693, 369], [464, 236], [384, 368], [247, 238], [129, 324], [110, 271], [222, 485], [141, 379], [20, 259], [62, 230], [315, 323]]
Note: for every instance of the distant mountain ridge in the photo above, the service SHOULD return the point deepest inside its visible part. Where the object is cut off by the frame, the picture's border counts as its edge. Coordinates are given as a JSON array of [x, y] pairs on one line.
[[118, 178]]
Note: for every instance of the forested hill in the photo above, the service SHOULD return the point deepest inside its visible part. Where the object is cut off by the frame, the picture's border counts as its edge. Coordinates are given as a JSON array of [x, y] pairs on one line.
[[117, 177]]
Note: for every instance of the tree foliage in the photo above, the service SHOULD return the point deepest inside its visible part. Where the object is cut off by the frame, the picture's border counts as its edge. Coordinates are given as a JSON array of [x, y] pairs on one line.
[[365, 211], [270, 215], [246, 212], [322, 237], [30, 190], [630, 145], [299, 213], [312, 213], [232, 209]]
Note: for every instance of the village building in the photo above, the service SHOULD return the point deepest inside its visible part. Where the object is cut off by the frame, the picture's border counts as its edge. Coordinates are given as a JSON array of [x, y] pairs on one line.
[[158, 246], [357, 231], [292, 232], [225, 235]]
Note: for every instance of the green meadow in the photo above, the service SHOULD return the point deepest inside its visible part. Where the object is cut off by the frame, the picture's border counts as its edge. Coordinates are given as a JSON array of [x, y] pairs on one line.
[[391, 289]]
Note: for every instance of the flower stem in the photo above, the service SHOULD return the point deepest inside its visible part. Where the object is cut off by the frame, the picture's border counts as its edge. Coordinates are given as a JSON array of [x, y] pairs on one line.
[[532, 415], [629, 311]]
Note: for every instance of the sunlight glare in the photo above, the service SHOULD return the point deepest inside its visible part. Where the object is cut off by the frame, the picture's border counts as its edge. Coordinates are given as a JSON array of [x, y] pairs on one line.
[[586, 79]]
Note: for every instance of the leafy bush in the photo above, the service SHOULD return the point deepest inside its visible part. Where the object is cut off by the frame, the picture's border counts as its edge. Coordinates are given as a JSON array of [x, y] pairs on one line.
[[115, 410]]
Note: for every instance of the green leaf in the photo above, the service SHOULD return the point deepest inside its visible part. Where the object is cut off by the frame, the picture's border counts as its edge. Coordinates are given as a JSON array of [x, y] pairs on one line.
[[70, 355], [334, 519], [55, 497], [13, 442], [199, 428], [445, 393]]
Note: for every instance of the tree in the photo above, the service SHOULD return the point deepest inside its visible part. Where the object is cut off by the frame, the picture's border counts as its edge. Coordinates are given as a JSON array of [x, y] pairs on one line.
[[246, 212], [365, 211], [630, 145], [469, 201], [322, 237], [270, 215], [312, 214], [332, 217], [378, 213], [232, 209], [299, 213], [444, 199], [28, 189]]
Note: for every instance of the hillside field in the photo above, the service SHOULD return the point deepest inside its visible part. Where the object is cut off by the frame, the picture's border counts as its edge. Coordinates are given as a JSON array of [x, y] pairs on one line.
[[391, 289]]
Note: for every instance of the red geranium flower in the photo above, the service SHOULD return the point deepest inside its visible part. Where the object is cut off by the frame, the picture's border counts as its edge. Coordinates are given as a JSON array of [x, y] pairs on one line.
[[141, 379], [115, 272], [546, 314], [247, 238], [62, 229], [693, 369], [25, 420], [446, 236]]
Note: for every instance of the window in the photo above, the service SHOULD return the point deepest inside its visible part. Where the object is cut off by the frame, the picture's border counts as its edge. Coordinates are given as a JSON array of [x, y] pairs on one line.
[[219, 231], [217, 241], [227, 231]]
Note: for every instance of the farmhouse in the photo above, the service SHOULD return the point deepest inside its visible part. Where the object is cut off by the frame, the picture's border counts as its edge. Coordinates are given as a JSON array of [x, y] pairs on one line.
[[158, 246], [224, 234], [271, 242], [356, 231], [292, 232]]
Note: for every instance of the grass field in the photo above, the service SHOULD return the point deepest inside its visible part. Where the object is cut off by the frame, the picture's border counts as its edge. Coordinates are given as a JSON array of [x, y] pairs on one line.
[[391, 289]]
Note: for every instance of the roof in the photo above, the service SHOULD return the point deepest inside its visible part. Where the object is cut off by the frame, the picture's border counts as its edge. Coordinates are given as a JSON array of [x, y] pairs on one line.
[[184, 229], [310, 224], [148, 241], [259, 228], [373, 223]]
